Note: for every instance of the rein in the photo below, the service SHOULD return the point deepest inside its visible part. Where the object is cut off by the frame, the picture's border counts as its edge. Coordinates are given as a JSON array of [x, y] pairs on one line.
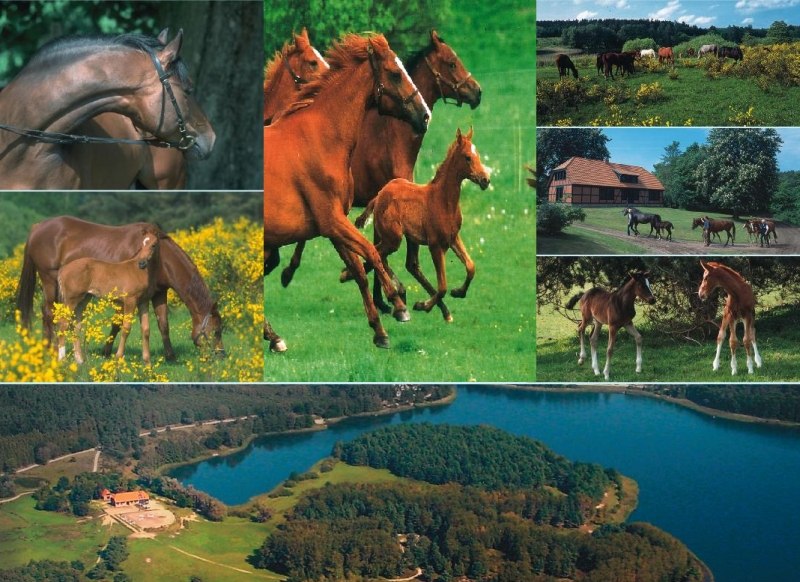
[[380, 89], [186, 141], [455, 86], [298, 80]]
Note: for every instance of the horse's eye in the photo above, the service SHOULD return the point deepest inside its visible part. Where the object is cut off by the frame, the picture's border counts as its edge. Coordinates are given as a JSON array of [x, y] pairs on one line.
[[452, 65], [395, 76], [468, 158], [313, 64]]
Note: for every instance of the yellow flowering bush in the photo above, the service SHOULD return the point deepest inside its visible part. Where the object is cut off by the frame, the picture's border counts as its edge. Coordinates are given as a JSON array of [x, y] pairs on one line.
[[28, 358], [649, 93]]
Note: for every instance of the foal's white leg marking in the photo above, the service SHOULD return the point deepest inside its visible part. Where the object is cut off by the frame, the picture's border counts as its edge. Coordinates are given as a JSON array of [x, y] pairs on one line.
[[593, 346], [582, 355], [62, 353], [638, 339], [756, 355], [733, 365], [720, 340]]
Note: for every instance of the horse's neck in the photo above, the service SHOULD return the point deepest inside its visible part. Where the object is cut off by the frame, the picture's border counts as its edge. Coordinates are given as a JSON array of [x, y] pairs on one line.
[[426, 83], [626, 296], [183, 277], [345, 99], [279, 91], [446, 184], [740, 294]]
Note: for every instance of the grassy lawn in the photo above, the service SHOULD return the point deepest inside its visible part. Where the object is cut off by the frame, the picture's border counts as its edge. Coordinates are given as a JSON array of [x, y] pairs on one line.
[[50, 473], [692, 98], [323, 321], [575, 240]]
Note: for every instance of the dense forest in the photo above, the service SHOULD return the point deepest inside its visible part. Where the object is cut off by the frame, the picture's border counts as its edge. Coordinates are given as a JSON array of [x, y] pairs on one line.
[[43, 422], [483, 531], [762, 401]]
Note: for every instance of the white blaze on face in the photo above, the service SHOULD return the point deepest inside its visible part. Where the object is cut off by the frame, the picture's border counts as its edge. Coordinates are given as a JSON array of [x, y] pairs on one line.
[[473, 149], [647, 283], [319, 56], [402, 68]]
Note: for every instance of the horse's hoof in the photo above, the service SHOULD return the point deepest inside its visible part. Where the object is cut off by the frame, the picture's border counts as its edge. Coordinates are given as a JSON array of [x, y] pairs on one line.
[[381, 341], [344, 276], [448, 318], [401, 315], [460, 293], [277, 346], [421, 306]]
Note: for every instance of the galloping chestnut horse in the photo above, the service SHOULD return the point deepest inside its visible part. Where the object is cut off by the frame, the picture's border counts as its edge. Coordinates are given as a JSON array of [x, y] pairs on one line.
[[740, 305], [428, 215], [291, 68], [715, 226], [616, 309], [56, 241], [132, 282], [72, 80], [308, 186], [387, 147], [564, 64]]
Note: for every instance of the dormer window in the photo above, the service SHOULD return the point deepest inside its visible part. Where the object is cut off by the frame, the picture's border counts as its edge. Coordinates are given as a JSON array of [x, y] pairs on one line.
[[560, 175], [629, 178]]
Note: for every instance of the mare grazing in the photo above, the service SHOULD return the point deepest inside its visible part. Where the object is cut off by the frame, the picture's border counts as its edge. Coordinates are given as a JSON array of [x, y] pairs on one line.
[[665, 55], [740, 305], [636, 217], [70, 81], [664, 225], [308, 184], [131, 282], [648, 53], [388, 147], [291, 68], [615, 309], [428, 215], [715, 226], [754, 228], [564, 64], [622, 61], [707, 49], [57, 241], [732, 52]]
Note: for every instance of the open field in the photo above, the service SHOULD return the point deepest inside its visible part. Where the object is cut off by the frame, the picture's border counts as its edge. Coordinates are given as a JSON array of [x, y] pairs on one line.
[[604, 232], [323, 321], [691, 98]]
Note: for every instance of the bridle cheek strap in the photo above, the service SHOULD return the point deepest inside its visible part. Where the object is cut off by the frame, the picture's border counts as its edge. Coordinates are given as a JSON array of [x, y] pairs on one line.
[[380, 89], [454, 85]]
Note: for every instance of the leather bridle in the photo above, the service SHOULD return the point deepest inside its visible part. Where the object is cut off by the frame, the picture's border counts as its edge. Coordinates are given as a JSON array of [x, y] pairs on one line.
[[298, 80], [380, 89], [455, 86]]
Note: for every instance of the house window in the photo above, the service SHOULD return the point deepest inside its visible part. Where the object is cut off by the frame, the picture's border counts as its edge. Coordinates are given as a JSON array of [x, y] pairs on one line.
[[629, 178], [559, 193], [654, 196], [607, 194], [632, 195], [560, 175]]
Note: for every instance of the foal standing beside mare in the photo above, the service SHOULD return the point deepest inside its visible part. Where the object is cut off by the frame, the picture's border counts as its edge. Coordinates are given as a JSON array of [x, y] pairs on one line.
[[616, 309], [564, 64], [132, 282], [740, 305], [428, 215], [636, 217]]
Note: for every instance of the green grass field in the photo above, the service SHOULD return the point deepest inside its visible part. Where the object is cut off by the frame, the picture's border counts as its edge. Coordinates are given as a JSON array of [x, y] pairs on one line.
[[691, 98], [492, 336]]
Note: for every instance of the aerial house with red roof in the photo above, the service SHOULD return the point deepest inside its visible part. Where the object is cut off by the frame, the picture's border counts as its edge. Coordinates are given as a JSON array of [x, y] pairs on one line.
[[140, 498], [586, 182]]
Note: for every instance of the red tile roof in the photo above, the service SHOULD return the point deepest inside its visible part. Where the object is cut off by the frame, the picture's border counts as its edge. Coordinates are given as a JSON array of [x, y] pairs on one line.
[[600, 173], [128, 496]]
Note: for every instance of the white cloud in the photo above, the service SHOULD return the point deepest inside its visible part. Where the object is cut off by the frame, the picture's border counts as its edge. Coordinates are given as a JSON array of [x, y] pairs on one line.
[[696, 20], [747, 21], [585, 15], [666, 12], [755, 5], [615, 3]]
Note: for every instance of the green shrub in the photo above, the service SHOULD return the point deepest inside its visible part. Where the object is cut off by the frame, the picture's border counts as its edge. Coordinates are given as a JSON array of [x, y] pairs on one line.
[[553, 218]]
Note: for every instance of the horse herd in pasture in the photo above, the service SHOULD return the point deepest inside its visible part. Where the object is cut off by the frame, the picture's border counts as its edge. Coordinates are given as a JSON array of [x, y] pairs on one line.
[[616, 309], [346, 132], [758, 229], [623, 62]]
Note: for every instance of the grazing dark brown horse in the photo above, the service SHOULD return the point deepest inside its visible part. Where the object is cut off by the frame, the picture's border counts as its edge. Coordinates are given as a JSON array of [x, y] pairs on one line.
[[72, 80], [387, 147], [564, 64], [616, 309], [308, 185], [664, 225], [56, 241], [715, 226], [733, 52], [665, 55], [622, 61], [740, 305], [131, 282], [428, 215], [292, 67]]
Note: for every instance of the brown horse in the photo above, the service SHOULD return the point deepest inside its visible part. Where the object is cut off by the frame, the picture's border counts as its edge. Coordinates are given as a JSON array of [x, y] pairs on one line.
[[55, 242], [387, 147], [666, 226], [564, 64], [616, 309], [308, 185], [428, 215], [753, 228], [291, 68], [131, 282], [715, 226], [665, 55], [740, 305], [72, 80]]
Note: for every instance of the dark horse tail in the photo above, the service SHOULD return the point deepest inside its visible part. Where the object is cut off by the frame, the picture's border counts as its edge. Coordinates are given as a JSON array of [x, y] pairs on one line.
[[575, 298], [26, 288], [362, 218]]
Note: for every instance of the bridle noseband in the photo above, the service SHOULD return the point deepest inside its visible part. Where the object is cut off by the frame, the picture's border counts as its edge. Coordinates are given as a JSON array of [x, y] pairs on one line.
[[380, 89], [455, 86], [186, 141]]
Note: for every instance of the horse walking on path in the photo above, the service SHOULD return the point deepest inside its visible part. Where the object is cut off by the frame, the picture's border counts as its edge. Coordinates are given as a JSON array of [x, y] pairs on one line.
[[428, 215], [132, 282], [308, 184], [637, 217], [715, 226], [753, 228], [565, 64], [57, 241], [615, 309], [69, 83], [740, 305], [666, 226]]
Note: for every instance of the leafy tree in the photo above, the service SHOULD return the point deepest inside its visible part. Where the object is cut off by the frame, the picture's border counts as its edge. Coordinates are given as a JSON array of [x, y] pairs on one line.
[[786, 201], [638, 44], [555, 146], [779, 32], [676, 170]]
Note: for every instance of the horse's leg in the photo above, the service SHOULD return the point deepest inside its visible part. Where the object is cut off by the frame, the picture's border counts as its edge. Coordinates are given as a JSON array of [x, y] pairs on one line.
[[112, 335], [50, 293], [723, 328], [593, 347], [637, 337], [294, 263], [749, 340], [276, 343], [144, 323], [581, 335], [128, 307], [412, 265], [461, 252], [76, 340], [437, 255], [612, 339], [734, 343], [161, 310]]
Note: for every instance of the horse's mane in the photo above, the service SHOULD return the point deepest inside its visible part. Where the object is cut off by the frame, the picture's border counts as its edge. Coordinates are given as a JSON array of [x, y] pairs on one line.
[[65, 48], [345, 55], [440, 170], [271, 69], [728, 270], [196, 288]]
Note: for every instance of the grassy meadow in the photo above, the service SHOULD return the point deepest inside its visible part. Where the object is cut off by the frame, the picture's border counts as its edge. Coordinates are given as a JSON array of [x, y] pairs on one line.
[[492, 335]]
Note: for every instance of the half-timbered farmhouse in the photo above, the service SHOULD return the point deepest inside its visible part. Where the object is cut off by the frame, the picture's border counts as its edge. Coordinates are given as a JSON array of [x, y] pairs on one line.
[[585, 182]]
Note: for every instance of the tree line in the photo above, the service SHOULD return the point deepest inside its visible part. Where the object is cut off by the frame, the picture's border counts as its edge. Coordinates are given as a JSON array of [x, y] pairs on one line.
[[762, 401]]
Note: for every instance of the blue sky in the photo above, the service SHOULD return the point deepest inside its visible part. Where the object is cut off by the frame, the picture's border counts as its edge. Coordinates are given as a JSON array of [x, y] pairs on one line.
[[645, 146], [703, 13]]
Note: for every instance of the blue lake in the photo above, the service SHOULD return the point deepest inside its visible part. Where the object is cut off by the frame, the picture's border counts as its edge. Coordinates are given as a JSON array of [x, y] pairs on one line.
[[728, 490]]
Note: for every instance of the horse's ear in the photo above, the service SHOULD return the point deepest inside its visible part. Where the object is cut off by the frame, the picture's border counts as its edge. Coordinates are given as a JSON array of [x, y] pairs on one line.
[[170, 52], [163, 36], [435, 37], [469, 135], [301, 40], [702, 264], [459, 137]]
